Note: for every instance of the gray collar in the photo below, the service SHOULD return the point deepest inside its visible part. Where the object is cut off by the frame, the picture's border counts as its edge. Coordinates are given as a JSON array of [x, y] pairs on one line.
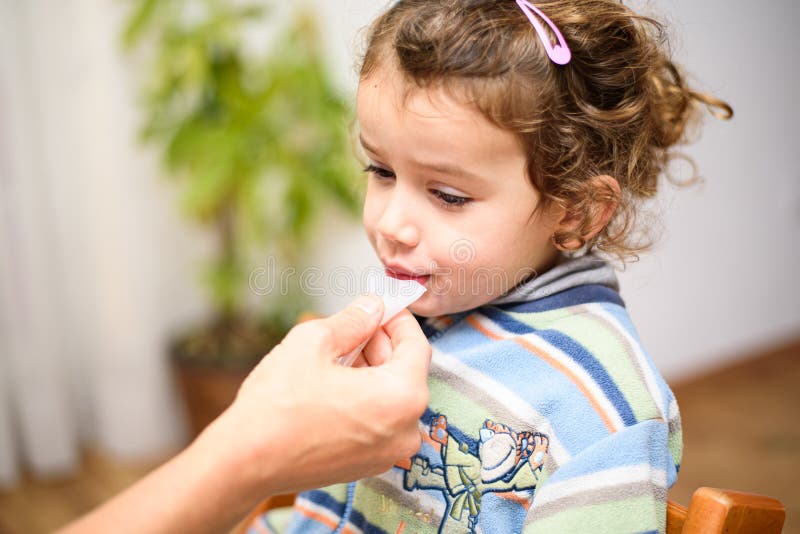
[[568, 273]]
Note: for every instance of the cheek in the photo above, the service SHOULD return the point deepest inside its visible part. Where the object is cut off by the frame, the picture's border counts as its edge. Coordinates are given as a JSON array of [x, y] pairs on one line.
[[370, 215], [500, 257], [474, 247], [368, 224]]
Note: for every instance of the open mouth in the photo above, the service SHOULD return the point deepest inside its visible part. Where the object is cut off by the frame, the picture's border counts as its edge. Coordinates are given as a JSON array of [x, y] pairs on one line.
[[402, 274]]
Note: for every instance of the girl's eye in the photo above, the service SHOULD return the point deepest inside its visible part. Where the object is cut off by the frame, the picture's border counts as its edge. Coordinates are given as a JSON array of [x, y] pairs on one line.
[[378, 171], [449, 199]]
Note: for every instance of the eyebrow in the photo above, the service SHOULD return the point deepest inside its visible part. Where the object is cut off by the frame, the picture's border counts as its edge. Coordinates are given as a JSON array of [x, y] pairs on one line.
[[367, 145], [443, 168]]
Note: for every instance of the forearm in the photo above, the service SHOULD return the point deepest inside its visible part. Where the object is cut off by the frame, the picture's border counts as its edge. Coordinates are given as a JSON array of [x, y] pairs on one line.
[[299, 421], [193, 492]]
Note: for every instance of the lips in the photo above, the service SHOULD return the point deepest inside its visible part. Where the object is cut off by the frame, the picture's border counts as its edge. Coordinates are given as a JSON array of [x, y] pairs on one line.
[[401, 273]]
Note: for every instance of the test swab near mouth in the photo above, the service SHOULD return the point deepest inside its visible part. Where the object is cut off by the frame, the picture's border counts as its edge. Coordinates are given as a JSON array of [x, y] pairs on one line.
[[396, 295]]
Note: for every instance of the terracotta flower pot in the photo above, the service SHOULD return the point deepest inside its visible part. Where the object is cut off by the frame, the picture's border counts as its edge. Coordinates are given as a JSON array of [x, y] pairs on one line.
[[209, 365]]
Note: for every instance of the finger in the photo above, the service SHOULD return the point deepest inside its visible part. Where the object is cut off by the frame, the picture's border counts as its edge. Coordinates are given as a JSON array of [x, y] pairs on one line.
[[411, 350], [361, 361], [379, 349], [350, 327], [403, 326]]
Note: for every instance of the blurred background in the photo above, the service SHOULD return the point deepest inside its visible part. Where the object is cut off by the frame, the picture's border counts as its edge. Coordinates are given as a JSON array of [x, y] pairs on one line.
[[161, 163]]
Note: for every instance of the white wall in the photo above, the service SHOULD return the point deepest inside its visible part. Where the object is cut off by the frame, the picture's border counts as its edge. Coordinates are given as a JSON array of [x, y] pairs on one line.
[[723, 280]]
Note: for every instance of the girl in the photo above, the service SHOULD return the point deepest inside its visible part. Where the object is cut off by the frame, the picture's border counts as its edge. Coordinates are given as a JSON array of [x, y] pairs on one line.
[[509, 147]]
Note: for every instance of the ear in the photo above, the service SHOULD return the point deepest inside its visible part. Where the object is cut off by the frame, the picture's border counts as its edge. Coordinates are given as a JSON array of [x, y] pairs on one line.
[[603, 194]]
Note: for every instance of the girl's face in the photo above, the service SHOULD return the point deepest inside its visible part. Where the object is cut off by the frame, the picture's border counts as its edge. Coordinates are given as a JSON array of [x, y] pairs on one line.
[[448, 200]]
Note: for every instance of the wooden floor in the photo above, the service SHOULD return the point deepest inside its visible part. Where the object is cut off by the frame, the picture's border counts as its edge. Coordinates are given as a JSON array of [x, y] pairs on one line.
[[39, 507], [741, 431]]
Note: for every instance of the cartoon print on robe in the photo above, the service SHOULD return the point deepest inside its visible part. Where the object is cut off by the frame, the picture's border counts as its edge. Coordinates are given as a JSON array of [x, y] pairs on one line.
[[506, 461]]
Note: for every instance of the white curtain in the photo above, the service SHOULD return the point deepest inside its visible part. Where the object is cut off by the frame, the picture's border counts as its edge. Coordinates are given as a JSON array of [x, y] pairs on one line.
[[97, 269], [93, 272]]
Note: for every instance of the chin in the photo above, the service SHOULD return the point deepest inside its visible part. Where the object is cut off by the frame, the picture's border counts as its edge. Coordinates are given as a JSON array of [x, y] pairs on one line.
[[422, 310], [428, 306]]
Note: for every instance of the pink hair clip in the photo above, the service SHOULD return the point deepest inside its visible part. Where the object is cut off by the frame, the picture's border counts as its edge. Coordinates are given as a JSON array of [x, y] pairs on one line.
[[558, 53]]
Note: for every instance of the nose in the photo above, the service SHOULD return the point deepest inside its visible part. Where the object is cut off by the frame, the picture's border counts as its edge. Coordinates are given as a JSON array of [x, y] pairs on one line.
[[398, 223]]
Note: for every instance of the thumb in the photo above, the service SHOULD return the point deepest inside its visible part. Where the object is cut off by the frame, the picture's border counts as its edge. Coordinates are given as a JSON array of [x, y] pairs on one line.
[[354, 325]]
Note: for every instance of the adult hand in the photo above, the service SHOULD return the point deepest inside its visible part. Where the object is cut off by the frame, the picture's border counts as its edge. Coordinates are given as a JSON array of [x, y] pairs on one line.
[[299, 421], [326, 423]]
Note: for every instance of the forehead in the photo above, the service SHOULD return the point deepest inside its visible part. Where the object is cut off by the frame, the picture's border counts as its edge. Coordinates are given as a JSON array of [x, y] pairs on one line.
[[431, 122]]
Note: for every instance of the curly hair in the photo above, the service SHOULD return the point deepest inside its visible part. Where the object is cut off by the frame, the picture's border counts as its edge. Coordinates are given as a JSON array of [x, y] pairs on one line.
[[616, 109]]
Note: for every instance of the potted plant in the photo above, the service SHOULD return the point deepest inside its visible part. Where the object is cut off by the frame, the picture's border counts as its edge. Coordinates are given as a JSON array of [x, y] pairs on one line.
[[256, 145]]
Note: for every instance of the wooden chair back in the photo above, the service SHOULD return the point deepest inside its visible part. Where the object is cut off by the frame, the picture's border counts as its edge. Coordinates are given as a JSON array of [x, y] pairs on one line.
[[713, 511]]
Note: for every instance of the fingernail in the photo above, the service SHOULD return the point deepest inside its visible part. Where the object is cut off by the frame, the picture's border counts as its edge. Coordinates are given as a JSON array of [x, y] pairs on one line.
[[367, 304]]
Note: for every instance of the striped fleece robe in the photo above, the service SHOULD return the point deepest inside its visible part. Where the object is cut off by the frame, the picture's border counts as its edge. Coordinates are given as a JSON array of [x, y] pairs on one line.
[[545, 415]]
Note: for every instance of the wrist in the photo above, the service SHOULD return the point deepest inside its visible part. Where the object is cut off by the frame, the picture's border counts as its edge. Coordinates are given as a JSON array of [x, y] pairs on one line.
[[199, 490], [221, 483], [237, 456]]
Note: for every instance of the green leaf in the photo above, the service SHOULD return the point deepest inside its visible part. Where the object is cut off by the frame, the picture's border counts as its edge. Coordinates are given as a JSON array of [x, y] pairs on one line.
[[257, 145], [138, 22]]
